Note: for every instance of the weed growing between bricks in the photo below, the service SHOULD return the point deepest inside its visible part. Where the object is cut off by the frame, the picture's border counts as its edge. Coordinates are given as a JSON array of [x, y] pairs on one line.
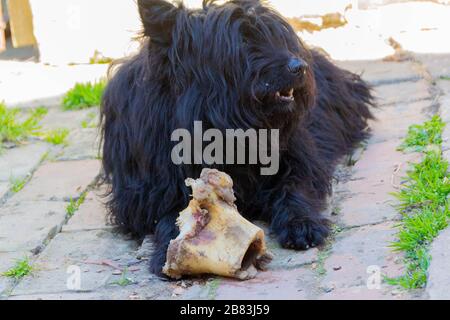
[[57, 136], [424, 202], [74, 205], [213, 286], [420, 137], [84, 95], [14, 130], [21, 269], [124, 279], [18, 184], [325, 251]]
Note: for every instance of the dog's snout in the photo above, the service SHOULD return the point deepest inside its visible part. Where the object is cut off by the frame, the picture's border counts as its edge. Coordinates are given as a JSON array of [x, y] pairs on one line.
[[297, 66]]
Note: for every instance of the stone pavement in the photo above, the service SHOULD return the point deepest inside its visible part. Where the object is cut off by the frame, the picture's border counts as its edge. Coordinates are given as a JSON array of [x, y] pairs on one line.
[[34, 222]]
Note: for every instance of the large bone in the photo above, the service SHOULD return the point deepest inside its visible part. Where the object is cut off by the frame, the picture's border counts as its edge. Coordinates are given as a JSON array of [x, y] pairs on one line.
[[214, 238]]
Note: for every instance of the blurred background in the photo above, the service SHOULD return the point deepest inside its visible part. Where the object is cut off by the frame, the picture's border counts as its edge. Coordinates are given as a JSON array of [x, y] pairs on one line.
[[63, 42]]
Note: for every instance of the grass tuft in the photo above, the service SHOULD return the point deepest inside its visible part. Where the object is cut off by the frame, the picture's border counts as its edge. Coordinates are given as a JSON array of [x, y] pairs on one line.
[[213, 286], [57, 136], [421, 136], [428, 184], [124, 280], [21, 269], [74, 205], [17, 184], [84, 95], [14, 130], [424, 203]]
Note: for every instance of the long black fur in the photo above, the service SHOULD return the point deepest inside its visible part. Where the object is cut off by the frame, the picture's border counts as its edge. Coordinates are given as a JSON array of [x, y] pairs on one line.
[[222, 65]]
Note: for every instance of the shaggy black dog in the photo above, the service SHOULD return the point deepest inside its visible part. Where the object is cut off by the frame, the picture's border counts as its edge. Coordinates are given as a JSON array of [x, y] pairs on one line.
[[231, 66]]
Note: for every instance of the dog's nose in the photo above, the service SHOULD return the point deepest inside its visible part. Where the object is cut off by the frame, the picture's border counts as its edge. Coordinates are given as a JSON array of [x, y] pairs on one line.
[[297, 66]]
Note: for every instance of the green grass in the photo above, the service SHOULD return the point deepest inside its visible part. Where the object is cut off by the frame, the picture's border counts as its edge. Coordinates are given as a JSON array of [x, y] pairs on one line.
[[21, 269], [424, 204], [428, 183], [74, 205], [17, 184], [14, 129], [321, 257], [325, 251], [124, 280], [421, 136], [213, 286], [84, 95], [57, 136], [445, 78]]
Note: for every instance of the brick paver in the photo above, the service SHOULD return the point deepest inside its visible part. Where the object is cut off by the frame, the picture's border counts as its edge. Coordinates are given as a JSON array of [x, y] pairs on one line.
[[90, 216], [83, 144], [392, 122], [369, 198], [402, 92], [68, 119], [28, 225], [355, 251], [63, 180], [18, 162], [383, 72], [438, 273]]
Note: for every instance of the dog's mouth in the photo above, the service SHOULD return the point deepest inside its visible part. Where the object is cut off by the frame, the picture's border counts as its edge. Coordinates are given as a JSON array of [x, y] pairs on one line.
[[285, 96], [280, 98]]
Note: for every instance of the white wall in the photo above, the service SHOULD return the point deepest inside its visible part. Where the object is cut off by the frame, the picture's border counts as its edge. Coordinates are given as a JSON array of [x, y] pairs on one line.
[[69, 31]]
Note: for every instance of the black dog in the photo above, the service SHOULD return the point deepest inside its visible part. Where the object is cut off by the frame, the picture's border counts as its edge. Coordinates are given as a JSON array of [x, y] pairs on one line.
[[234, 65]]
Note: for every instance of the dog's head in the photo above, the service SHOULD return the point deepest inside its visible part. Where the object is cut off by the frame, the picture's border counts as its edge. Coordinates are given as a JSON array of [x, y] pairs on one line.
[[238, 62]]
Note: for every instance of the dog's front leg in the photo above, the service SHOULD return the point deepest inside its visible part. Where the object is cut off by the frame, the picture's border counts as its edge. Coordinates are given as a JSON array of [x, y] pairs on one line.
[[297, 222], [166, 230]]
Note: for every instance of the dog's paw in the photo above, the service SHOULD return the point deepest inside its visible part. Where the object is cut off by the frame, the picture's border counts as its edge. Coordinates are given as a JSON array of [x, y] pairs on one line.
[[302, 234], [157, 263]]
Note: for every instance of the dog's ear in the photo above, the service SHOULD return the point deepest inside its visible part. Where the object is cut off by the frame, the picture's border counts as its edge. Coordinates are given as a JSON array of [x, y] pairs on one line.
[[158, 18]]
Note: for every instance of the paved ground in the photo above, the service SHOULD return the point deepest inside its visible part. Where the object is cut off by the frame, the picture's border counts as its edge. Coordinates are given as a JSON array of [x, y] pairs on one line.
[[34, 223]]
